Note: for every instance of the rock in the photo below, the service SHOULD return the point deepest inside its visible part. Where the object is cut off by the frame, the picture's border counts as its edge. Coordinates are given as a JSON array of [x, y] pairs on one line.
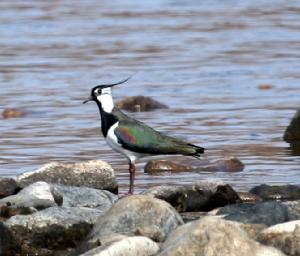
[[135, 215], [84, 197], [192, 216], [8, 186], [278, 192], [35, 197], [95, 174], [285, 236], [252, 230], [247, 197], [135, 246], [267, 213], [44, 232], [13, 113], [140, 103], [231, 164], [201, 196], [293, 208], [154, 166], [292, 132], [213, 236]]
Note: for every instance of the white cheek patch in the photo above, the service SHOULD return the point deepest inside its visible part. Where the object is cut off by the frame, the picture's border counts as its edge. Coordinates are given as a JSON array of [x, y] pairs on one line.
[[106, 102]]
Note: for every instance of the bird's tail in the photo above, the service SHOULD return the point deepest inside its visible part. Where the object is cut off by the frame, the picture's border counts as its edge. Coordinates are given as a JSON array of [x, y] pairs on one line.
[[197, 151]]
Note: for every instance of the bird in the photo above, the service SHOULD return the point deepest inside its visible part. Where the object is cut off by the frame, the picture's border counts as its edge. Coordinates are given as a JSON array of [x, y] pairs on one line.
[[132, 138]]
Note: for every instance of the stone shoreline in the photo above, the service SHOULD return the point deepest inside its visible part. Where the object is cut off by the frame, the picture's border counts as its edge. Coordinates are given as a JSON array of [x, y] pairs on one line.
[[73, 209]]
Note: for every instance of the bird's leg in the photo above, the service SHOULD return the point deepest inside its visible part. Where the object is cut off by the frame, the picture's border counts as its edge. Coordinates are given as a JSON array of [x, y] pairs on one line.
[[132, 176]]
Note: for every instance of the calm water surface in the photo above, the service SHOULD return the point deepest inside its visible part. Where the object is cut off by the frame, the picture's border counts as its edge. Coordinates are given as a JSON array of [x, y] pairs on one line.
[[204, 59]]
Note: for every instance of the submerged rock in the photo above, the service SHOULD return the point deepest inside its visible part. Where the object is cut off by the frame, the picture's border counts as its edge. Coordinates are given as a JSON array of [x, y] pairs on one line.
[[277, 192], [35, 197], [201, 196], [8, 186], [285, 236], [140, 104], [154, 166], [231, 164], [213, 236], [13, 113], [135, 246], [292, 132], [95, 174], [44, 232], [135, 215], [267, 213]]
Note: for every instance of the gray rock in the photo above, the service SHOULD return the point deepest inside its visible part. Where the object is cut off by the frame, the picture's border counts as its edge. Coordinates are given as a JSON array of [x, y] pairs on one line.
[[140, 103], [95, 174], [213, 236], [284, 236], [84, 197], [8, 186], [55, 228], [277, 192], [293, 208], [135, 215], [268, 213], [201, 196], [35, 197], [126, 246]]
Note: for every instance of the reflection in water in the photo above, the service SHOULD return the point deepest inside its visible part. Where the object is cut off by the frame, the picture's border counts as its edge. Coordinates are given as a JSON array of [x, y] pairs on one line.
[[204, 60]]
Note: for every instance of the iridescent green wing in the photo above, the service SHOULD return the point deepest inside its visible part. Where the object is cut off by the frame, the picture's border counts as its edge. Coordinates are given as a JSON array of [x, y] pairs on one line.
[[138, 137]]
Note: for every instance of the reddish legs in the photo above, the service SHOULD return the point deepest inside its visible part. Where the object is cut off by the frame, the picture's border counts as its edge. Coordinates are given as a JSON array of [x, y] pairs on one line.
[[131, 184], [132, 176]]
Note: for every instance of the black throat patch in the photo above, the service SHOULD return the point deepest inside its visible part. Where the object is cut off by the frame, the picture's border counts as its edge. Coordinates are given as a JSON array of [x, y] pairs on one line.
[[107, 120]]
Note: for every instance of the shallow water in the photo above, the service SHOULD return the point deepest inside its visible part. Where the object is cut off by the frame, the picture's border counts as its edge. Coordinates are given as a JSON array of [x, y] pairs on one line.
[[204, 60]]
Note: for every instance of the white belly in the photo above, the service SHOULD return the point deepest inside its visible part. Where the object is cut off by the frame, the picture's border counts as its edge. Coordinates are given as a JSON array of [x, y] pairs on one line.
[[112, 141]]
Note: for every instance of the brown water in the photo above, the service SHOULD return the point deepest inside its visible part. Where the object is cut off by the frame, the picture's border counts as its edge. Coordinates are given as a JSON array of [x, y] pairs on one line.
[[204, 59]]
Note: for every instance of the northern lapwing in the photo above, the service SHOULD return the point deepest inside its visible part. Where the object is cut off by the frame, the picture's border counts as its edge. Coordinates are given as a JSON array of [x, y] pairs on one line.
[[131, 137]]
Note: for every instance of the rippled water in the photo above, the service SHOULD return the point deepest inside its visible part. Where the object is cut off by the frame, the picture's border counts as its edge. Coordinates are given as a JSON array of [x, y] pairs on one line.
[[204, 59]]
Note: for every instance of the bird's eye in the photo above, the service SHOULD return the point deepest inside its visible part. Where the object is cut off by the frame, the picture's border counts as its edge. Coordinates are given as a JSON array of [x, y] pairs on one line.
[[99, 91]]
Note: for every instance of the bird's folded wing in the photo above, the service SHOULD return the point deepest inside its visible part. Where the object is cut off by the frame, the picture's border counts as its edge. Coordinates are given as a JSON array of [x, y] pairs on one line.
[[141, 138]]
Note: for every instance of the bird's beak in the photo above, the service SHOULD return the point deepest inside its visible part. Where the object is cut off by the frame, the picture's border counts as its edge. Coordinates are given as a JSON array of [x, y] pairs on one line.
[[88, 99]]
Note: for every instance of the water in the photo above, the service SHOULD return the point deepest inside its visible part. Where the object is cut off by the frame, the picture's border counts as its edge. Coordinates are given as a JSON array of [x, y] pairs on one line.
[[204, 59]]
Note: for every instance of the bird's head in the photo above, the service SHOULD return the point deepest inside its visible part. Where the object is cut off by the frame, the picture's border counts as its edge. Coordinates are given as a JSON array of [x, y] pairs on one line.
[[100, 92]]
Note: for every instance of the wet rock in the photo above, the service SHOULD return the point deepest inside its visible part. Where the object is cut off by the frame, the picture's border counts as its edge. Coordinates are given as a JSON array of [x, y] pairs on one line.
[[265, 86], [267, 213], [44, 232], [278, 192], [95, 174], [154, 166], [140, 104], [213, 236], [35, 197], [13, 113], [285, 236], [84, 197], [192, 216], [292, 132], [136, 246], [231, 164], [201, 196], [135, 215], [8, 186], [247, 197]]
